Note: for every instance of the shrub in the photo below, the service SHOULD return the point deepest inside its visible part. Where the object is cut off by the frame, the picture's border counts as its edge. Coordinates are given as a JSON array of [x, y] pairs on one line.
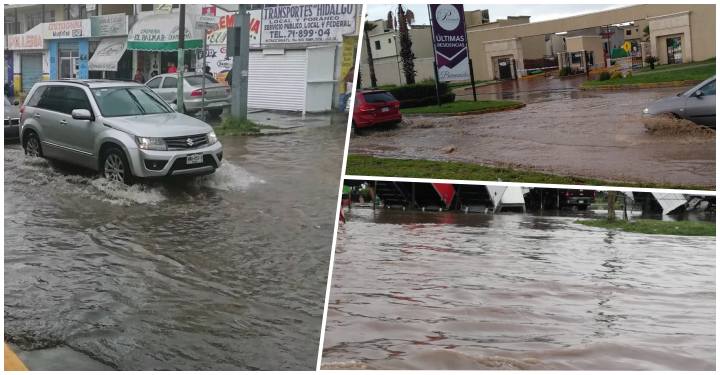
[[604, 76], [628, 75], [421, 94], [651, 60], [616, 75]]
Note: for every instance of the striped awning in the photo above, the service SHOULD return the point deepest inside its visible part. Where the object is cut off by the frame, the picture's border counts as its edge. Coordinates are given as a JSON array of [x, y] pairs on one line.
[[159, 32]]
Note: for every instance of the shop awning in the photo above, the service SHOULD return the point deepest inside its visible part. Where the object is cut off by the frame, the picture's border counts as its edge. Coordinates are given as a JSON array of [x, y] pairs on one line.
[[159, 32], [107, 54]]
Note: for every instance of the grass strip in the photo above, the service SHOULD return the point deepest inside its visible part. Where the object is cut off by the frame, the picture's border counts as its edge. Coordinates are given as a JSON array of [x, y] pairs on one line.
[[463, 107], [363, 165], [646, 226]]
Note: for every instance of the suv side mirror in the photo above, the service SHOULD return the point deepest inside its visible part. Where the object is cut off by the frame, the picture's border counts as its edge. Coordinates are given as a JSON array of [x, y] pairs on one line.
[[698, 94], [81, 114]]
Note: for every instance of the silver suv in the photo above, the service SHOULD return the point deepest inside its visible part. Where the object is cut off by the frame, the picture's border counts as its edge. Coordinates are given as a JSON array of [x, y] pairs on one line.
[[122, 129]]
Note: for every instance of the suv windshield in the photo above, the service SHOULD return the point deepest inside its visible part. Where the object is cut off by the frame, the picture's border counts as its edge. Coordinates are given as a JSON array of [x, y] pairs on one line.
[[128, 101], [197, 80]]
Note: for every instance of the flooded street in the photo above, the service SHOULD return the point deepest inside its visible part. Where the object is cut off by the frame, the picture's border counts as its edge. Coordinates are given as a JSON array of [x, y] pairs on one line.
[[414, 290], [227, 272], [562, 130]]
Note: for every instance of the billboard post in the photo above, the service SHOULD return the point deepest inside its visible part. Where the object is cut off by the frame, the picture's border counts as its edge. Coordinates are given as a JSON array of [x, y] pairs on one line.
[[450, 48]]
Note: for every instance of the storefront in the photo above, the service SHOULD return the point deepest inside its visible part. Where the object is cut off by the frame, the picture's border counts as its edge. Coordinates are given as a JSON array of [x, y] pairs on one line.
[[292, 66], [153, 40], [68, 48], [25, 60], [110, 57]]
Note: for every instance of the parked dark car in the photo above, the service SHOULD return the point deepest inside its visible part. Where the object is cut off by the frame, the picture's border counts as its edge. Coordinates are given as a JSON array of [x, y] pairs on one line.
[[550, 199], [696, 104], [375, 107], [12, 119]]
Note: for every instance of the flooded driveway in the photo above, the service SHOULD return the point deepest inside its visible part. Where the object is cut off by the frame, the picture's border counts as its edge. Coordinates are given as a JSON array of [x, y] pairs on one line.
[[227, 272], [417, 290], [562, 130]]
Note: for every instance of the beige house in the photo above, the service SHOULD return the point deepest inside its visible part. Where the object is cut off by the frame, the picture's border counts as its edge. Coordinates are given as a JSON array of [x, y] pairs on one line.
[[678, 33], [385, 46]]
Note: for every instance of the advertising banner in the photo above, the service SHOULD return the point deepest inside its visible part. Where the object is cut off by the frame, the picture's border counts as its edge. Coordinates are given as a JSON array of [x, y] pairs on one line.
[[67, 29], [218, 33], [109, 25], [24, 41], [307, 23], [450, 42]]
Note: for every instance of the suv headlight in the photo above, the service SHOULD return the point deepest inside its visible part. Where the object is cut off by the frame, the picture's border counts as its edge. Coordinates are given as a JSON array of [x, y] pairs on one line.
[[151, 143], [212, 138]]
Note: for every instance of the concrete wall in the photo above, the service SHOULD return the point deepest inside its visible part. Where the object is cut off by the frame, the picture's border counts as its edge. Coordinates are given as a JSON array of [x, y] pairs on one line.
[[533, 47], [702, 29]]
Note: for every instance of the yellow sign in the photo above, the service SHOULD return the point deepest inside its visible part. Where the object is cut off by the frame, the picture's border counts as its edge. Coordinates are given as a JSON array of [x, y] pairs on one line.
[[627, 46], [349, 49]]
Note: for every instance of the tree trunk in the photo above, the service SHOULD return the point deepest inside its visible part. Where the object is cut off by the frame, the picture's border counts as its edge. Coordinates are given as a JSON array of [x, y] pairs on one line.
[[611, 205], [406, 53]]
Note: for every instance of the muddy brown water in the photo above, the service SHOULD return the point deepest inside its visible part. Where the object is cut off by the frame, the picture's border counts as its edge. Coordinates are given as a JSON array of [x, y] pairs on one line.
[[562, 130], [417, 290], [227, 272]]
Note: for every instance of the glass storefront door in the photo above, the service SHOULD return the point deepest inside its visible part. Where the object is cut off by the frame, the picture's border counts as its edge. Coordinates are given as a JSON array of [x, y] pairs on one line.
[[674, 50]]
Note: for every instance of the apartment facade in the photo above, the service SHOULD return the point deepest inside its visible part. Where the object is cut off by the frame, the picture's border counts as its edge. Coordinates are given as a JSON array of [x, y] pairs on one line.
[[678, 33]]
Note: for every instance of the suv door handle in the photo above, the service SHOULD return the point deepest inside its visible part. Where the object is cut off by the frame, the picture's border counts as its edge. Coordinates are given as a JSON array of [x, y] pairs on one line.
[[63, 122], [36, 115]]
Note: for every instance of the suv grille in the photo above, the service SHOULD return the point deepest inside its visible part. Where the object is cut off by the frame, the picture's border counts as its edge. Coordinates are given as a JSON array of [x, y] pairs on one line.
[[186, 142], [12, 121]]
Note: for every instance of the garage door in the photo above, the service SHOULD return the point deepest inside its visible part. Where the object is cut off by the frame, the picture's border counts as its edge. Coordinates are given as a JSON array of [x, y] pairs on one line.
[[277, 80], [31, 68]]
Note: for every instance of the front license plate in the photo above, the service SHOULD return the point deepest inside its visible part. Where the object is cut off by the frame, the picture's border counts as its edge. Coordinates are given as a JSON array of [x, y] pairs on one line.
[[194, 159], [385, 109]]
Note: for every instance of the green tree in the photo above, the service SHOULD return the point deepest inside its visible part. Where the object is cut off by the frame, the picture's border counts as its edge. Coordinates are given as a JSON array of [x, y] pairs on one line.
[[406, 53], [369, 26]]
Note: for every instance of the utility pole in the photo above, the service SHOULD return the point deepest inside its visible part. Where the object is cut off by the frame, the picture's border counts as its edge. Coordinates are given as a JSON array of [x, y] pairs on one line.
[[181, 60], [241, 60]]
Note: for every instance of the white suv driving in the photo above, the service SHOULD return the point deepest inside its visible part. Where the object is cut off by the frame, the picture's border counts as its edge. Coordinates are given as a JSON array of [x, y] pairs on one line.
[[121, 129]]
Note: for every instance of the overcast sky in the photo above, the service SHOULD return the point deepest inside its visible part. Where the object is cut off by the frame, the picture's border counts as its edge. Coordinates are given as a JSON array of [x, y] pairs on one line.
[[536, 12]]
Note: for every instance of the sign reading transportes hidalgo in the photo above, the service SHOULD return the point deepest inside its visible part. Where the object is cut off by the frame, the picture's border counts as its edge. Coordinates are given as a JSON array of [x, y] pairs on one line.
[[307, 23], [450, 42]]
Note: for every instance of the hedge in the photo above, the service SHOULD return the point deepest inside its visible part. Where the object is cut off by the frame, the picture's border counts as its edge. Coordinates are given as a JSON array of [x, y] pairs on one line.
[[421, 94]]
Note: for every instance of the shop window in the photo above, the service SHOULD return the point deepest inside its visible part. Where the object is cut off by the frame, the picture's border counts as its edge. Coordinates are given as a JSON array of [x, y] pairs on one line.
[[628, 32], [377, 44], [576, 58]]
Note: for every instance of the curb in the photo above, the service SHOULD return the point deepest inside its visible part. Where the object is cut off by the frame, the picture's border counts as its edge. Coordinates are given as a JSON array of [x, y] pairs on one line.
[[640, 86], [469, 113]]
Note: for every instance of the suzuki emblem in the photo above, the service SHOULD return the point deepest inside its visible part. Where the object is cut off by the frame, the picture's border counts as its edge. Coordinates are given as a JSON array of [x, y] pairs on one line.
[[189, 142]]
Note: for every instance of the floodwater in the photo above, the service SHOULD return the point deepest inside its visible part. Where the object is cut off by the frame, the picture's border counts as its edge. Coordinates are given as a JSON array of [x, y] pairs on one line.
[[449, 290], [562, 130], [227, 272]]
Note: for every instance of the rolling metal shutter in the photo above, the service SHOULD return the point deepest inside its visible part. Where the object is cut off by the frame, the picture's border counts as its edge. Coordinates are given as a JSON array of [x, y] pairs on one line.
[[31, 68], [277, 81]]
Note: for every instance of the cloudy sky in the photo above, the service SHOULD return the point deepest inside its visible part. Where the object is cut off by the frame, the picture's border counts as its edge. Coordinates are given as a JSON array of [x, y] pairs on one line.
[[536, 12]]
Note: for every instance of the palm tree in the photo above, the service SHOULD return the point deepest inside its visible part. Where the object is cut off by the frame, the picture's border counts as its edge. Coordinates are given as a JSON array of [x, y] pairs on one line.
[[369, 26], [406, 53]]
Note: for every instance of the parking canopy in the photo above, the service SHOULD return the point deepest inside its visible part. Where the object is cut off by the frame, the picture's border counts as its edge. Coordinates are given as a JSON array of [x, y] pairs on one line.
[[159, 32], [107, 54]]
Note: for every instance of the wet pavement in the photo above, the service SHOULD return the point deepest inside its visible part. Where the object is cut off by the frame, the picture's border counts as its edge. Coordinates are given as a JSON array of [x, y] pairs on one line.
[[415, 290], [226, 272], [562, 130]]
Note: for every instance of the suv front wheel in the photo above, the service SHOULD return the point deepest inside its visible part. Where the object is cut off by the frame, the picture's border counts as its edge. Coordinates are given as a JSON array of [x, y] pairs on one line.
[[115, 166]]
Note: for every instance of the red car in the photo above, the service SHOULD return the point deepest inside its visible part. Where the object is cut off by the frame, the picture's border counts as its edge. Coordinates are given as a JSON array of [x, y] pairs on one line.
[[375, 107]]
